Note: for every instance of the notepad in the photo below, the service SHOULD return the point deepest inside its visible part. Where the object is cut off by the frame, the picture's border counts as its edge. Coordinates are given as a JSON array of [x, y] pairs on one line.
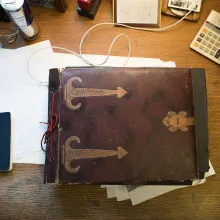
[[5, 137], [137, 12]]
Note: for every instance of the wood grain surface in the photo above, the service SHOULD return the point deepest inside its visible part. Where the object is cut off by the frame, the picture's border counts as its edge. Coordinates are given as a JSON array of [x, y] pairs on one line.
[[22, 194]]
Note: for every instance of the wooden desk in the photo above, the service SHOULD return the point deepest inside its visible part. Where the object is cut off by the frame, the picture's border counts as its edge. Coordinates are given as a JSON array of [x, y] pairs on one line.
[[22, 194]]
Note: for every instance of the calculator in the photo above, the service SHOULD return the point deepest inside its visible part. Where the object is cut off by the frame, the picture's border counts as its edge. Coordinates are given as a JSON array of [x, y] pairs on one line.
[[207, 40]]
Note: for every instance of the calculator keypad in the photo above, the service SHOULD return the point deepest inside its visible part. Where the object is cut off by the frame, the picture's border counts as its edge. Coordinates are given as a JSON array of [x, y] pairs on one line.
[[207, 42], [204, 42], [212, 41], [211, 53], [201, 47]]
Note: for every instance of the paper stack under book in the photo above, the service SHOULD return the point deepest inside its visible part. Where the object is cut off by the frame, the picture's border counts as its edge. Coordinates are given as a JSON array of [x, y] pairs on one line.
[[141, 193], [141, 131]]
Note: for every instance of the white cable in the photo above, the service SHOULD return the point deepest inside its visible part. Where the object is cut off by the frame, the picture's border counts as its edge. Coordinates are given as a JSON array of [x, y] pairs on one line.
[[110, 48], [79, 55], [126, 26], [44, 48], [109, 51]]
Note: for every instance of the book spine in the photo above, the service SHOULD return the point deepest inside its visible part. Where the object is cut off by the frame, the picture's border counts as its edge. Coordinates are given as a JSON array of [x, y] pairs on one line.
[[52, 137], [201, 123]]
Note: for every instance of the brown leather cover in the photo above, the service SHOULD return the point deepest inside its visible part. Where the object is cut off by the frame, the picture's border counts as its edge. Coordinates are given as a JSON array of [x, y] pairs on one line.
[[126, 125]]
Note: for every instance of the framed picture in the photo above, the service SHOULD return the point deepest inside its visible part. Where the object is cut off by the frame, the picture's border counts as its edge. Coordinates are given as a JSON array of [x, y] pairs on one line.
[[137, 12]]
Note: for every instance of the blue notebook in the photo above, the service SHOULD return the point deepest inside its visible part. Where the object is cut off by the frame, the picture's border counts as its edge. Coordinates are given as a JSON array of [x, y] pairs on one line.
[[5, 141]]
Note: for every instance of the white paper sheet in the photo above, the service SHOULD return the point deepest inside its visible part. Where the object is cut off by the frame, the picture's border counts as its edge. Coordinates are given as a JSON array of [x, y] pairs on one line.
[[144, 193], [62, 60], [27, 102], [116, 191], [5, 53], [111, 192], [122, 193]]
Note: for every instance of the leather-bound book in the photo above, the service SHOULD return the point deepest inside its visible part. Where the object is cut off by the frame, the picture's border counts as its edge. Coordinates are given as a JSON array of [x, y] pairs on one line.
[[111, 125]]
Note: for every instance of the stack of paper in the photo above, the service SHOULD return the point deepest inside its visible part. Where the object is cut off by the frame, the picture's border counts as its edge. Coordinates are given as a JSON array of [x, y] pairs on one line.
[[139, 194], [27, 100]]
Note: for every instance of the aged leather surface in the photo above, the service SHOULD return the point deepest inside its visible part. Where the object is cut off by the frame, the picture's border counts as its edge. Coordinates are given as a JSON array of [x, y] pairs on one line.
[[133, 122]]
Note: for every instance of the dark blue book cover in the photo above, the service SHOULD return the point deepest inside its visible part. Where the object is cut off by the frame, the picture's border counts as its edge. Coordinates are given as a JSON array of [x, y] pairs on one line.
[[5, 137]]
